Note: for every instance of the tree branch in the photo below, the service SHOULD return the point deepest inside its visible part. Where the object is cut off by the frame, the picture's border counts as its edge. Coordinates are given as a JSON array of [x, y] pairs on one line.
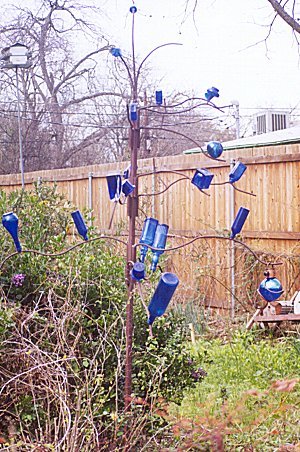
[[284, 15]]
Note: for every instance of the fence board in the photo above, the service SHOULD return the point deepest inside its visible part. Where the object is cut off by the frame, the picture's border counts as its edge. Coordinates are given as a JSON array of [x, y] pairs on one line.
[[273, 226]]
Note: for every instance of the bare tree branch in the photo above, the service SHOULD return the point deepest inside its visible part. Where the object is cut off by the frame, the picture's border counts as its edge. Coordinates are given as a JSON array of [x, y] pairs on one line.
[[289, 19]]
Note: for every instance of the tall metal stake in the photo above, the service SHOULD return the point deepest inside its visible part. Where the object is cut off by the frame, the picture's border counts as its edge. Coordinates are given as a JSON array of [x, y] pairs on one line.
[[131, 257], [134, 140]]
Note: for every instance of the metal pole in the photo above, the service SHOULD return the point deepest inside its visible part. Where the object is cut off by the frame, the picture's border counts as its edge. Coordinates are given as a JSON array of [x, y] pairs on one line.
[[232, 248], [134, 139], [131, 257], [90, 196], [237, 120], [20, 132]]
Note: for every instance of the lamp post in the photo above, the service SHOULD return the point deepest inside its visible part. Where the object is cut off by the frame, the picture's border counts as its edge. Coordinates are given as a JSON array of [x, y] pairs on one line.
[[15, 57]]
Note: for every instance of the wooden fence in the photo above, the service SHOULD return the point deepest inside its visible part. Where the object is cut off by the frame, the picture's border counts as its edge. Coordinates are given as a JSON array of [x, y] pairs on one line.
[[209, 270]]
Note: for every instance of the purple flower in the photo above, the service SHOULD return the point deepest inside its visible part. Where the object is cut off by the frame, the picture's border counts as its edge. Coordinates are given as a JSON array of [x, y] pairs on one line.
[[18, 279], [198, 374]]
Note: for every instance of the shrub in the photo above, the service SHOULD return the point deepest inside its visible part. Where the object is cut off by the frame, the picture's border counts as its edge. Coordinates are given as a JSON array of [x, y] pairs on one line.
[[63, 338]]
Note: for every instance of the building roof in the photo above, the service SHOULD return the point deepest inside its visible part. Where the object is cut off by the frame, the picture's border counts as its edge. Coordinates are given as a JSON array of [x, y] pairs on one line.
[[290, 135]]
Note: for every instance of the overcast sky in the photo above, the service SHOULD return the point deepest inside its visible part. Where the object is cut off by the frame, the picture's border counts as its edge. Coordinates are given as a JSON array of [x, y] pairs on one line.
[[222, 48]]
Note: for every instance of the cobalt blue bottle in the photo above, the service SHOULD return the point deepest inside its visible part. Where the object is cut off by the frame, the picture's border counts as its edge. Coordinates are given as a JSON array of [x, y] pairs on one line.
[[138, 271], [167, 285], [158, 97], [239, 221], [237, 172], [202, 178], [80, 224], [114, 184], [147, 236], [160, 241], [10, 221]]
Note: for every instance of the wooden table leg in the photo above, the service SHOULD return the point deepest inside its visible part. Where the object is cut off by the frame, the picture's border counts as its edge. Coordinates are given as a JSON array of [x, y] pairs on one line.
[[251, 321]]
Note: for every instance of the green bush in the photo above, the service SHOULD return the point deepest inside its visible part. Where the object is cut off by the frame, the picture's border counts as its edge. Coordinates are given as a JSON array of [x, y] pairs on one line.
[[63, 338]]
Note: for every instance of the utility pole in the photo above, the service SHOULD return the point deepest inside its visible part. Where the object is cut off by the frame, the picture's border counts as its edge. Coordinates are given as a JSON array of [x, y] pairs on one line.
[[236, 104]]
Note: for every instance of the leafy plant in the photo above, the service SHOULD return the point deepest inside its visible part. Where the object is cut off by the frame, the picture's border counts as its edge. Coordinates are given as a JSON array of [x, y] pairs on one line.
[[63, 338], [249, 398]]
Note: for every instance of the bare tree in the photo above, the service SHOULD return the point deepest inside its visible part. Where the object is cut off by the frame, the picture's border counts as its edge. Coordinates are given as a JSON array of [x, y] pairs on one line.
[[58, 90], [74, 101], [284, 9]]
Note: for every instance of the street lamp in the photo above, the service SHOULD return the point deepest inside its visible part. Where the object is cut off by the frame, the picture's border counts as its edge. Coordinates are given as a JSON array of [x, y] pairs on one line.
[[14, 57]]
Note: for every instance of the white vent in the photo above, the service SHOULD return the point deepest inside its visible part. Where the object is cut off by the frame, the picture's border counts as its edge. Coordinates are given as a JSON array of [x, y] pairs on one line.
[[271, 120]]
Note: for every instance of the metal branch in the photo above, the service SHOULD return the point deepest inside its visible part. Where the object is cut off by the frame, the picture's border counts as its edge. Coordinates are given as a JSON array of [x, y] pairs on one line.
[[163, 171], [170, 185], [174, 248], [233, 186], [186, 137], [166, 189], [61, 253], [152, 51]]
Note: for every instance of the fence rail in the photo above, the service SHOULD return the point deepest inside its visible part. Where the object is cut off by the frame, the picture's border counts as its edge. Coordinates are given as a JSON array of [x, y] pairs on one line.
[[205, 268]]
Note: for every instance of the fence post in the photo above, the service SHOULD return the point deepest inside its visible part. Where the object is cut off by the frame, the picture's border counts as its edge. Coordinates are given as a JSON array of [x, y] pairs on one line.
[[232, 248], [90, 196]]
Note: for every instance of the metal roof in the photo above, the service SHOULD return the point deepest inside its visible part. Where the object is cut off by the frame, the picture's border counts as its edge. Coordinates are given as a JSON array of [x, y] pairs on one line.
[[290, 135]]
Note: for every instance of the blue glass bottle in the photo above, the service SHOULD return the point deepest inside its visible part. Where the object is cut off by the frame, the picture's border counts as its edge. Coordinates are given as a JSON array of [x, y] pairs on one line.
[[133, 112], [126, 172], [158, 97], [239, 221], [237, 172], [147, 236], [11, 222], [138, 271], [133, 9], [127, 187], [270, 289], [160, 241], [80, 224], [161, 298], [116, 52], [114, 184], [214, 149], [202, 178], [211, 93]]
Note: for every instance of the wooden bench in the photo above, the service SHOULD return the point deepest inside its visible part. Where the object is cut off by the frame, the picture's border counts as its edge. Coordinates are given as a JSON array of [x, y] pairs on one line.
[[273, 312]]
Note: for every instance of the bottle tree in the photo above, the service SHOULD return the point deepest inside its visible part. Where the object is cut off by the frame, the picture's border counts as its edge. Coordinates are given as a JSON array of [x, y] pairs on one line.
[[154, 235]]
